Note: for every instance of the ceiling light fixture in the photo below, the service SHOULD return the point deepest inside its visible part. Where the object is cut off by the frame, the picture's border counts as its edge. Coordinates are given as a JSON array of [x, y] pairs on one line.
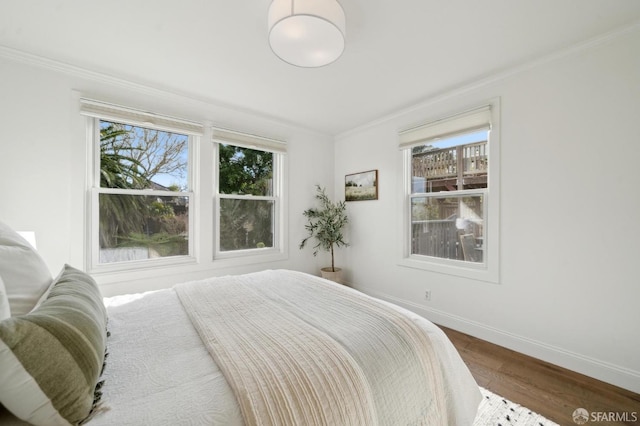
[[307, 33]]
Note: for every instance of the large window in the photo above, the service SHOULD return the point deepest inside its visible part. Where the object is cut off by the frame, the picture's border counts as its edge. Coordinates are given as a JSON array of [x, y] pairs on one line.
[[166, 191], [141, 192], [450, 193], [144, 193]]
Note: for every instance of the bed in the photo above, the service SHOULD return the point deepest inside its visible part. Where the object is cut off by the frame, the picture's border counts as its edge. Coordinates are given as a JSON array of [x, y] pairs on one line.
[[267, 348]]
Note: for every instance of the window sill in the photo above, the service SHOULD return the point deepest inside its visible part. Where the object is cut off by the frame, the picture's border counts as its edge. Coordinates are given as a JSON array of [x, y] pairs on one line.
[[478, 272], [248, 257], [142, 265], [178, 267]]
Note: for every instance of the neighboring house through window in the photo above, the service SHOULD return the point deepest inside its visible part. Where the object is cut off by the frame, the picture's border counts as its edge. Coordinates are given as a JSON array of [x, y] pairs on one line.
[[451, 194]]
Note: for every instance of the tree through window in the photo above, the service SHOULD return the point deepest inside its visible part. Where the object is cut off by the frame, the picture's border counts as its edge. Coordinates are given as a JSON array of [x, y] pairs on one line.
[[147, 179], [248, 201], [143, 193]]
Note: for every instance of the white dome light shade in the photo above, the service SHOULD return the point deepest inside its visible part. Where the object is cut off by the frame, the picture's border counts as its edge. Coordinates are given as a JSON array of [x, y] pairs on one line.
[[307, 33]]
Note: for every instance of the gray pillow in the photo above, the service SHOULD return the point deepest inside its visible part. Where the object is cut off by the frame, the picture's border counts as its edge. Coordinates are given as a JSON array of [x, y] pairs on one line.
[[51, 359]]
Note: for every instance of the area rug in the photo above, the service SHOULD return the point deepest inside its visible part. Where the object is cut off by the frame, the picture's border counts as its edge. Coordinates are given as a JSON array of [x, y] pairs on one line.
[[495, 410]]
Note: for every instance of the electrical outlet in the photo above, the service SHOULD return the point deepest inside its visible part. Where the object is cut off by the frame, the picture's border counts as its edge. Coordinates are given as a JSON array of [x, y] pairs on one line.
[[427, 294]]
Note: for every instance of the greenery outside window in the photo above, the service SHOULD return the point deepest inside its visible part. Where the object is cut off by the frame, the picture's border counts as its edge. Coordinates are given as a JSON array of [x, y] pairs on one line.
[[249, 195], [164, 191], [141, 192], [451, 208]]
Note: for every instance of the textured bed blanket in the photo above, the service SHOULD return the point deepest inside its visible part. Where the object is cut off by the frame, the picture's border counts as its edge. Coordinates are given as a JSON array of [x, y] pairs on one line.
[[296, 349]]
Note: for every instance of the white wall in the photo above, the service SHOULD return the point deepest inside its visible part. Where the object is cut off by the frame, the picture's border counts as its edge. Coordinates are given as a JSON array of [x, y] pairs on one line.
[[569, 288], [43, 162]]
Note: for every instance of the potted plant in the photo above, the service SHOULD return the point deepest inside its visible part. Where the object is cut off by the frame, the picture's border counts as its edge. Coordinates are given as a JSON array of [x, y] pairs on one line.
[[325, 223]]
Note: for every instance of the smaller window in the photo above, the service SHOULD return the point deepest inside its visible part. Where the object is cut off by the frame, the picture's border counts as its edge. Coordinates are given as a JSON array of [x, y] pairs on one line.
[[446, 225], [451, 209], [249, 202]]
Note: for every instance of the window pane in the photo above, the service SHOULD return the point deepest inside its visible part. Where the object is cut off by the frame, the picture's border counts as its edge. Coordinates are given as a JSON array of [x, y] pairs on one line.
[[136, 227], [460, 162], [448, 227], [134, 157], [246, 224], [245, 171]]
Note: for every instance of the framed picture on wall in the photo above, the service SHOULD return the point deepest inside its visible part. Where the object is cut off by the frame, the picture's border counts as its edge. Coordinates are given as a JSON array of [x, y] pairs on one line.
[[361, 186]]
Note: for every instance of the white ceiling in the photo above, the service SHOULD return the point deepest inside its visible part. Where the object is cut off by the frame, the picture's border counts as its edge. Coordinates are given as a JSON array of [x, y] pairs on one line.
[[398, 52]]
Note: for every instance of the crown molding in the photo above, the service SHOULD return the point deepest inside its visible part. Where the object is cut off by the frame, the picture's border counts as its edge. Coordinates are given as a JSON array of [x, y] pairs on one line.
[[30, 59], [73, 70], [482, 81]]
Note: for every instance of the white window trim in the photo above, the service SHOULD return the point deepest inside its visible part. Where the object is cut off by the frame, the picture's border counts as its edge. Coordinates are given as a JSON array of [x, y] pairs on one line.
[[121, 114], [280, 227], [92, 255], [489, 270], [203, 169], [247, 140]]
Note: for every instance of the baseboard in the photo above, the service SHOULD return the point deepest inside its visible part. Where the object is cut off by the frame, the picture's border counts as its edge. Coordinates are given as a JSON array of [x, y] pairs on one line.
[[606, 372]]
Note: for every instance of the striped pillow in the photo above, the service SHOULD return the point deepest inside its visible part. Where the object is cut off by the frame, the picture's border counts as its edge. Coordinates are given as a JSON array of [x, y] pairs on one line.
[[51, 359]]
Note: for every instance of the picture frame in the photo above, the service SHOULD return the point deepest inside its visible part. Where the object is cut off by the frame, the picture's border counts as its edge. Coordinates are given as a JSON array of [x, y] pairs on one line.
[[361, 186]]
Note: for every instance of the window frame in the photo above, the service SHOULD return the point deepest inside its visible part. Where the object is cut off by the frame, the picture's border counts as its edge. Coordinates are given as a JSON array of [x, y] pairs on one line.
[[121, 115], [278, 149], [203, 168], [441, 128]]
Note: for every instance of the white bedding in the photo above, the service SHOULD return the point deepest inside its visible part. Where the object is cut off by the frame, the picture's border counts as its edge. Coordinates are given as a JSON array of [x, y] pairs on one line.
[[160, 373]]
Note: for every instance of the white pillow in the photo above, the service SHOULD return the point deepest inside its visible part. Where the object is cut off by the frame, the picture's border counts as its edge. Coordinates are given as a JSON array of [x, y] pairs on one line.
[[26, 277], [5, 310]]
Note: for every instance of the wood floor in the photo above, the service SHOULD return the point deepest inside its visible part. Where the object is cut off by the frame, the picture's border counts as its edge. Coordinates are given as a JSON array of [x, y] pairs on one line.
[[544, 388]]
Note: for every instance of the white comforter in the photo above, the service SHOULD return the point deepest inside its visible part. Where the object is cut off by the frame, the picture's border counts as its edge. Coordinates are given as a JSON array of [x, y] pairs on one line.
[[160, 373]]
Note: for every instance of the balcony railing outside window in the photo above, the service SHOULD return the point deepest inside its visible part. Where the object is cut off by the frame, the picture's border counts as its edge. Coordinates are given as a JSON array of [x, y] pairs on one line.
[[445, 224], [450, 169]]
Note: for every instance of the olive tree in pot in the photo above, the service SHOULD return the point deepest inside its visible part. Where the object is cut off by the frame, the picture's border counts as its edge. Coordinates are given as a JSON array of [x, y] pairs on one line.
[[326, 223]]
